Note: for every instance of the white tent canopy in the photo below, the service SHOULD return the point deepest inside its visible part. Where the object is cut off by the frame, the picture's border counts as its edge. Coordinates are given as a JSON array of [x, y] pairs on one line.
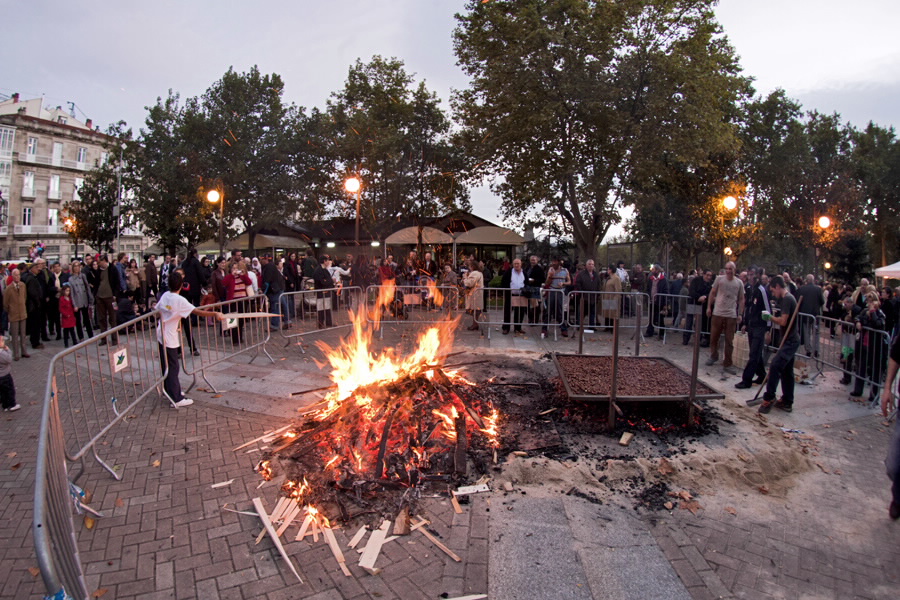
[[261, 242], [889, 271], [410, 235], [489, 235]]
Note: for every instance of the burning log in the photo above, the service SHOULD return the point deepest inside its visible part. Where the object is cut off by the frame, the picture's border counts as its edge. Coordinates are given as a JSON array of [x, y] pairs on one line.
[[462, 443]]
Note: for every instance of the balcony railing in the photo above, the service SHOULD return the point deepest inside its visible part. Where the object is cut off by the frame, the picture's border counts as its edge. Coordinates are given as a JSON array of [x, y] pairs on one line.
[[54, 194], [37, 229], [49, 161]]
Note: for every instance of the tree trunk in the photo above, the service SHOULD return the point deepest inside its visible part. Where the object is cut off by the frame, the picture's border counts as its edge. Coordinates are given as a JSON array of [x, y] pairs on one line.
[[252, 242]]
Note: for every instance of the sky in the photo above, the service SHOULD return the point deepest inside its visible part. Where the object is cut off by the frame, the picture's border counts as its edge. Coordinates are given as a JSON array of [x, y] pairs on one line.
[[114, 58]]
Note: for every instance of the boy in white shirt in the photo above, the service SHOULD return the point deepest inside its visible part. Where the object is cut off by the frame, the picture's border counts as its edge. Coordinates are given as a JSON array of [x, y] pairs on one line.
[[173, 307]]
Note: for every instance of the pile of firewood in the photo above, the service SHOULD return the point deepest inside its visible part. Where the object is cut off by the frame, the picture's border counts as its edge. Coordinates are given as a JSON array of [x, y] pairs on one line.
[[378, 449]]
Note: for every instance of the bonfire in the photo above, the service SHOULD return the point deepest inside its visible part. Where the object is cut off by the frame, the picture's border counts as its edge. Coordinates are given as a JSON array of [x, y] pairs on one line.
[[391, 426]]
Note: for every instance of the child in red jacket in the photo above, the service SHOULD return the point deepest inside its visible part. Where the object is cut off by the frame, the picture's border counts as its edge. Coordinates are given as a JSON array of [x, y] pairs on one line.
[[67, 315]]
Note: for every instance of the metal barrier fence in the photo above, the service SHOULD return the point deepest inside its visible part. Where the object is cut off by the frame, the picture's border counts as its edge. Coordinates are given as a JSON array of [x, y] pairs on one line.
[[410, 304], [206, 343], [631, 309], [315, 311], [90, 387], [861, 354], [503, 307], [671, 316]]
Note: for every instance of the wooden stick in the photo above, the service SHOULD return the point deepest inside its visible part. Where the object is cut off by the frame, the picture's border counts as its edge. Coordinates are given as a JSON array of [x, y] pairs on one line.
[[303, 528], [289, 517], [216, 486], [373, 548], [257, 502], [357, 537], [336, 550], [456, 507], [265, 435], [438, 543], [394, 537]]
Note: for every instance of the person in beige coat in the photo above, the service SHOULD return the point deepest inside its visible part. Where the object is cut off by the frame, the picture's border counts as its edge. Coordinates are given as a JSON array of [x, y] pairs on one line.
[[613, 284], [14, 304], [474, 282]]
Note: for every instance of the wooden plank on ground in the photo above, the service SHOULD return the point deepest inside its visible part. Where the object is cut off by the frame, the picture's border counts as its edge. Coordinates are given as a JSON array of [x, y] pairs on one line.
[[373, 548], [336, 550], [456, 507], [357, 537], [440, 545], [267, 524], [302, 533]]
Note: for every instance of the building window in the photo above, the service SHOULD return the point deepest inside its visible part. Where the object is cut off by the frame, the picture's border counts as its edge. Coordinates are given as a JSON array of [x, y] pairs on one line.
[[32, 146], [26, 216], [53, 217], [82, 155], [104, 158], [57, 153], [7, 137], [78, 183], [53, 192], [28, 184], [5, 171]]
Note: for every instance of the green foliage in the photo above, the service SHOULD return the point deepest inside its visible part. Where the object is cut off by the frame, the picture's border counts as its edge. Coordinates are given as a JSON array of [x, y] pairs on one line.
[[393, 136], [876, 165], [574, 103], [853, 260]]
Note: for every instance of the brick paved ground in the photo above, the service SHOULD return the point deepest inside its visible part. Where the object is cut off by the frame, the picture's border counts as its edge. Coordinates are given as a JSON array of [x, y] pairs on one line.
[[167, 537]]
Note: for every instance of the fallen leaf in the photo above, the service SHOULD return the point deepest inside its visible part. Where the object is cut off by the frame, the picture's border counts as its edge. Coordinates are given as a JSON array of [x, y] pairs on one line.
[[730, 510], [34, 571], [99, 593], [665, 467], [684, 495], [120, 503], [763, 489], [824, 470], [691, 505], [217, 395], [15, 467], [89, 522], [669, 505], [12, 454], [827, 426], [838, 472], [156, 463], [743, 458]]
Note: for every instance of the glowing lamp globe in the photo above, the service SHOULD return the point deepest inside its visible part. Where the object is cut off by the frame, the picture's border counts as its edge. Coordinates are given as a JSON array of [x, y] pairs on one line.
[[730, 202], [352, 185], [824, 222], [213, 196]]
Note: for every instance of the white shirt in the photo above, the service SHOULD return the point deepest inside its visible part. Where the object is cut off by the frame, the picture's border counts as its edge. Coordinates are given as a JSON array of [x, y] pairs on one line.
[[172, 307], [517, 280], [253, 280]]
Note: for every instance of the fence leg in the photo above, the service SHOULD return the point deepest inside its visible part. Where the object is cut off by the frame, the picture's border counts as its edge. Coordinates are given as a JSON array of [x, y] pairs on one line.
[[112, 471], [638, 330], [203, 374]]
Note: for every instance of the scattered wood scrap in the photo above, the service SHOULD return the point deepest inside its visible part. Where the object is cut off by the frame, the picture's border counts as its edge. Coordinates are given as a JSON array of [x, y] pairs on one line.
[[261, 510], [373, 548], [626, 438], [437, 542]]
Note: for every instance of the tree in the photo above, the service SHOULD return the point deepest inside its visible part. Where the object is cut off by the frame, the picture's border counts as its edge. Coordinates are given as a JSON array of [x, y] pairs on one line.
[[166, 173], [876, 165], [573, 103], [93, 214], [852, 259], [394, 136], [256, 146]]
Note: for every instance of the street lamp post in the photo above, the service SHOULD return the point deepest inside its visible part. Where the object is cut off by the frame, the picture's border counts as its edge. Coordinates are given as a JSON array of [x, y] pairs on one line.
[[824, 222], [729, 203], [70, 227], [212, 197], [353, 186]]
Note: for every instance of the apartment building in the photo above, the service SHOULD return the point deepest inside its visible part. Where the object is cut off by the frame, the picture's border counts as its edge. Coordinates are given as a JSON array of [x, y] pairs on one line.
[[45, 155]]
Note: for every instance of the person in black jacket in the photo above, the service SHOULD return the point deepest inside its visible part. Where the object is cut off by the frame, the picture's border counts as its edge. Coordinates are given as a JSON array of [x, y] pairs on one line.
[[534, 279], [756, 328], [272, 285], [588, 280], [322, 280], [34, 302], [698, 294]]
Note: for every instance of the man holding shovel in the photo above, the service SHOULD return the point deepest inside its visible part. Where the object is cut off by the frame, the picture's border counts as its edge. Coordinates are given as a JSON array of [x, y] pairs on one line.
[[782, 365]]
